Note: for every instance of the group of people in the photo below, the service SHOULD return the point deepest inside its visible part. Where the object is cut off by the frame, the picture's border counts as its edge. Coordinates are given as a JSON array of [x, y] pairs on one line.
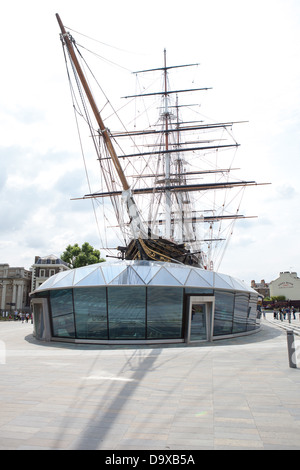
[[285, 313], [17, 316], [23, 317]]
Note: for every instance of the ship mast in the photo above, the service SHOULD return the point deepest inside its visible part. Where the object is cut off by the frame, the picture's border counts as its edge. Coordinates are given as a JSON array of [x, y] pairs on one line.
[[168, 155], [136, 222]]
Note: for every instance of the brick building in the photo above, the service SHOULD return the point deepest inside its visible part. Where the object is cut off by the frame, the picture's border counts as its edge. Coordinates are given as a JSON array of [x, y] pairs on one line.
[[45, 267]]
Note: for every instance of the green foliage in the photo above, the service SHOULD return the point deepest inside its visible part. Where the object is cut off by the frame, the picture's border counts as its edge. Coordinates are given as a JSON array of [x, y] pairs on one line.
[[278, 297], [77, 257]]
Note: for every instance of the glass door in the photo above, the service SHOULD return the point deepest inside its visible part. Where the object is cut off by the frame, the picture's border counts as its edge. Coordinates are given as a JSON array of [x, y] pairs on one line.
[[198, 328]]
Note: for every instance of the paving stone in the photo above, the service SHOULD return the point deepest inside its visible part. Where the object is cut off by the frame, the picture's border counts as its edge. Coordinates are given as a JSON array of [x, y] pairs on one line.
[[231, 394]]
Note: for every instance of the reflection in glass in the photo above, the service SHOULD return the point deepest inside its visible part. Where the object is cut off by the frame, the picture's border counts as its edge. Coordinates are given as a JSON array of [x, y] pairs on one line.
[[252, 316], [90, 312], [126, 312], [62, 313], [224, 303], [164, 312], [240, 312], [198, 322]]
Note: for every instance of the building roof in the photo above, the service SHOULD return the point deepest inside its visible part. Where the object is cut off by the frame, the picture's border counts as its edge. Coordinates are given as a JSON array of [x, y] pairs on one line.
[[147, 273]]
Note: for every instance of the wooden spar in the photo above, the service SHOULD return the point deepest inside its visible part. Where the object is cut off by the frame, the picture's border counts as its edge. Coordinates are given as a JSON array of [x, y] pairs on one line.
[[90, 97], [184, 187]]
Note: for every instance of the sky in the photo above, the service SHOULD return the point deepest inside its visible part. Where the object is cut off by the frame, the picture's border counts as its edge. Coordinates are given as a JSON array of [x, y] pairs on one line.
[[249, 53]]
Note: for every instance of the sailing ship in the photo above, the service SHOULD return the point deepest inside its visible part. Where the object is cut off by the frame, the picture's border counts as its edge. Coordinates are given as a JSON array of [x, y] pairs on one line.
[[165, 193]]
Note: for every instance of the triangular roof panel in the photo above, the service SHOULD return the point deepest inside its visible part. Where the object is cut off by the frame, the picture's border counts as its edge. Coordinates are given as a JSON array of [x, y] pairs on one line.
[[81, 273], [128, 277], [196, 280], [111, 271], [95, 278], [220, 283], [146, 273], [64, 279], [164, 278], [181, 273]]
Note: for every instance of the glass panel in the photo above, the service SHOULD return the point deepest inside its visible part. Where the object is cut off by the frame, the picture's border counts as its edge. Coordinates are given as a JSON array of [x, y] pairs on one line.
[[127, 277], [180, 272], [164, 312], [90, 312], [252, 313], [224, 302], [198, 291], [126, 312], [209, 276], [146, 273], [163, 277], [240, 312], [95, 278], [220, 282], [81, 273], [67, 280], [60, 276], [62, 313], [198, 322], [195, 280], [238, 284], [111, 271]]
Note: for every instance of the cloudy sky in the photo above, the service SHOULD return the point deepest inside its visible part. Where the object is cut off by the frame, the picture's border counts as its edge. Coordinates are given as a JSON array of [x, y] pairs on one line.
[[249, 53]]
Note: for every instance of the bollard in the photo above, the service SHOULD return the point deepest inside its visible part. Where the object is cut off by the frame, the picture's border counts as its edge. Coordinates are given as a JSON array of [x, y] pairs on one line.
[[291, 348]]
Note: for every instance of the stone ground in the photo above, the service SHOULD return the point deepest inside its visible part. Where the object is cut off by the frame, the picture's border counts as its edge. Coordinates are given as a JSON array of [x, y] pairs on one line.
[[236, 394]]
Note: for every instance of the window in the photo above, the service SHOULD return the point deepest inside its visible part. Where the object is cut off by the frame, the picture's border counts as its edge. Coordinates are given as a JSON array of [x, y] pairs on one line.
[[164, 312], [90, 312], [224, 303], [252, 316], [62, 313], [126, 312], [241, 312]]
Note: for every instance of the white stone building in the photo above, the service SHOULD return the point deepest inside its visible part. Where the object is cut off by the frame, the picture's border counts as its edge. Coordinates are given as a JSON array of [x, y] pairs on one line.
[[15, 284], [287, 284]]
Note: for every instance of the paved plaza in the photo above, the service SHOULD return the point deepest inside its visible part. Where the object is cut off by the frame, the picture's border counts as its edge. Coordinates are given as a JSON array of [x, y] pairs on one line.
[[230, 394]]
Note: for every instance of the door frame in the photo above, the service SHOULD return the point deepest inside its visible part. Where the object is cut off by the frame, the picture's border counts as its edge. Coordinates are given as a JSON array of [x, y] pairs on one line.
[[209, 302]]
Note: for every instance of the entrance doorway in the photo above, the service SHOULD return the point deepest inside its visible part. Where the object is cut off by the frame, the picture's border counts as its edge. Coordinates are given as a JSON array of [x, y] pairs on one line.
[[200, 319]]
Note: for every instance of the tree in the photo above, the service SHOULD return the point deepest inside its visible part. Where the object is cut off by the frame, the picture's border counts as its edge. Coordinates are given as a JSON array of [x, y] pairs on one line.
[[77, 257]]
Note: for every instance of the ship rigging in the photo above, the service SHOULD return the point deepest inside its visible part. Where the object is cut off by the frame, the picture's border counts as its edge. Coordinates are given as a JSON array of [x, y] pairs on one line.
[[167, 207]]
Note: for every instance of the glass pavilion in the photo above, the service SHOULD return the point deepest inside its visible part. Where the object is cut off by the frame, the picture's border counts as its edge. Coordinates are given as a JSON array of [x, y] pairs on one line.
[[129, 302]]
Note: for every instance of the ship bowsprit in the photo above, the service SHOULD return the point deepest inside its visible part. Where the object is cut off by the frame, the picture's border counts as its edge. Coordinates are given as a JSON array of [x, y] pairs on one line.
[[160, 249]]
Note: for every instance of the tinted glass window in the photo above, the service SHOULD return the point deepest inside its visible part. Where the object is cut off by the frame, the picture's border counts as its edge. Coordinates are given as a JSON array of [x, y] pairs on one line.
[[126, 312], [90, 312], [241, 312], [224, 305], [62, 313], [164, 312]]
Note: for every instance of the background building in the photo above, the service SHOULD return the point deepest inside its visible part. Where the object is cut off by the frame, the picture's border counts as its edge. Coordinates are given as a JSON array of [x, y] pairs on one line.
[[287, 284], [15, 285], [261, 287], [45, 267]]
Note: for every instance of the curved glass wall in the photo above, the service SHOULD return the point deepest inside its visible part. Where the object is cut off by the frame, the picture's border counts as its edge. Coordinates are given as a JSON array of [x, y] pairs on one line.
[[143, 313], [143, 301]]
